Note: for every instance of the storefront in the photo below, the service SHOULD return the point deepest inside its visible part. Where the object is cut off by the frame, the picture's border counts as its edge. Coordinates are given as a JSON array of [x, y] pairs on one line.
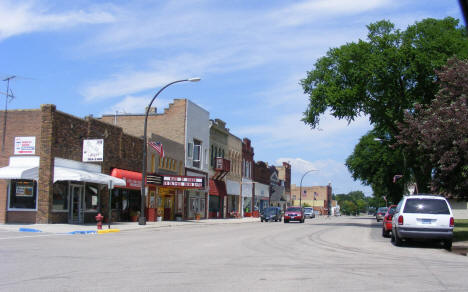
[[126, 200], [196, 196], [218, 199], [247, 204], [233, 195], [166, 196], [262, 195], [76, 191]]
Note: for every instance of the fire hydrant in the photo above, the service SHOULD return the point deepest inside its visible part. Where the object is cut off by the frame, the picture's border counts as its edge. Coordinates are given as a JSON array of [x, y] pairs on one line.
[[99, 218]]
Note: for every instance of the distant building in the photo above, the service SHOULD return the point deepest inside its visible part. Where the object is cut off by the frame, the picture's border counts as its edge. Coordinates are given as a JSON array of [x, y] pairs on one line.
[[318, 197]]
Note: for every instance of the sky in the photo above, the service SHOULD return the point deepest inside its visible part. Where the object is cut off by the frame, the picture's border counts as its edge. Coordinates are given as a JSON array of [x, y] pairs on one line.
[[106, 57]]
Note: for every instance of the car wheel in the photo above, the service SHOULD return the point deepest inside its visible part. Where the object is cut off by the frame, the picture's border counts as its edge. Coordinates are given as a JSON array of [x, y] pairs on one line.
[[448, 244], [397, 241], [384, 233], [393, 237], [261, 220]]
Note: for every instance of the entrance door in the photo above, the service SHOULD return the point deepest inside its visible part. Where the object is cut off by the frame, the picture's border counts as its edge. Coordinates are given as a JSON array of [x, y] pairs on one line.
[[168, 202], [76, 213]]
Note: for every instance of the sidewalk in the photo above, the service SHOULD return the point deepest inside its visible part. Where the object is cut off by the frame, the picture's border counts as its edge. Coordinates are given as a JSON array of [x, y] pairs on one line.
[[116, 226]]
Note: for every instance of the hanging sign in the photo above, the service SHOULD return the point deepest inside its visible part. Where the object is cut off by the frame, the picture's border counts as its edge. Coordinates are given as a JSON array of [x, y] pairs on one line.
[[93, 150], [25, 145]]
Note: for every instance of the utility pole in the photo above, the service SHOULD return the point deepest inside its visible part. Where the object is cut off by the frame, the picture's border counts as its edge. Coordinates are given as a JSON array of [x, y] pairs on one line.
[[7, 95]]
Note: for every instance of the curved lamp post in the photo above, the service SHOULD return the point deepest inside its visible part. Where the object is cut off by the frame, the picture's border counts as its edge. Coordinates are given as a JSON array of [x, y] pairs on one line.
[[142, 219], [300, 187]]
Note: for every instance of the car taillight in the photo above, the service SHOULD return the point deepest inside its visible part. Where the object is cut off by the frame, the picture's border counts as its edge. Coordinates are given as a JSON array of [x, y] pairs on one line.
[[400, 220], [452, 222]]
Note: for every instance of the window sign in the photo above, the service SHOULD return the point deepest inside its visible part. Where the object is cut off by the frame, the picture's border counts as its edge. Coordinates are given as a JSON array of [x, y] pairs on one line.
[[93, 150], [24, 190], [25, 145]]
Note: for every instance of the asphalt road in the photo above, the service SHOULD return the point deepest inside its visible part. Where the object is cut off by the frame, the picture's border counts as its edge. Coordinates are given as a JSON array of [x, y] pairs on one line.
[[330, 254]]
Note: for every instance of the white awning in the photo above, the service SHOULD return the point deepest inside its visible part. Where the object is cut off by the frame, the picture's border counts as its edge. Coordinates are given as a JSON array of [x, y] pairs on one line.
[[21, 167], [262, 190], [27, 167], [64, 173]]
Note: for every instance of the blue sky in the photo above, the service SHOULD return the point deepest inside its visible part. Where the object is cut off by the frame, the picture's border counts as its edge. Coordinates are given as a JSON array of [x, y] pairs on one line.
[[95, 57]]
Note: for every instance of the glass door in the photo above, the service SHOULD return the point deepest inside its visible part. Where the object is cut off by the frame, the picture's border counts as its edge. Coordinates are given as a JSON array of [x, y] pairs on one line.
[[76, 211]]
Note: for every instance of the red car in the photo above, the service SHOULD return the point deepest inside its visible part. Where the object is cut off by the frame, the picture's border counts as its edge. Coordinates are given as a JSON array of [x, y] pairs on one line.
[[387, 221], [294, 214]]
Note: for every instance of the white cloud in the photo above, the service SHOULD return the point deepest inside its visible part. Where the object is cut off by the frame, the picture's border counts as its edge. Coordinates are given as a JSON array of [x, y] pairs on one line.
[[26, 17], [136, 105], [308, 11]]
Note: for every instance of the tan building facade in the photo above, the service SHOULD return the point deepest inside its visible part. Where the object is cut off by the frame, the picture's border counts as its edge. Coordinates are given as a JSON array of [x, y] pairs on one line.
[[317, 197]]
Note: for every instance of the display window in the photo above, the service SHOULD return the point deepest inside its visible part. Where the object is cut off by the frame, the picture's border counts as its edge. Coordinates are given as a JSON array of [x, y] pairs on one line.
[[22, 195], [60, 196]]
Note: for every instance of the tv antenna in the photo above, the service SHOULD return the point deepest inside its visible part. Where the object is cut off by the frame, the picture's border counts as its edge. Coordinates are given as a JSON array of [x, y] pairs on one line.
[[8, 97]]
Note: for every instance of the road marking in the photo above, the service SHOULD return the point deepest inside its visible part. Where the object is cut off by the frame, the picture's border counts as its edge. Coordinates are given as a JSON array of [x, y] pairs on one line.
[[26, 236]]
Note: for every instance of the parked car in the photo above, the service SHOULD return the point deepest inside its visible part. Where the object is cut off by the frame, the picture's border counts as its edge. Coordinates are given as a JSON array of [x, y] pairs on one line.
[[294, 214], [309, 212], [423, 217], [380, 213], [387, 221], [271, 214]]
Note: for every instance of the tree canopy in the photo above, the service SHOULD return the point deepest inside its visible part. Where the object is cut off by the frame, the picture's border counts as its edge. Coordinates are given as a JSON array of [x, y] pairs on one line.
[[375, 163], [385, 75], [439, 131]]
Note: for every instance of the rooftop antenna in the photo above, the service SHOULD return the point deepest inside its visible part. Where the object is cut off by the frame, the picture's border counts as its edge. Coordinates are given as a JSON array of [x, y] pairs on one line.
[[8, 97]]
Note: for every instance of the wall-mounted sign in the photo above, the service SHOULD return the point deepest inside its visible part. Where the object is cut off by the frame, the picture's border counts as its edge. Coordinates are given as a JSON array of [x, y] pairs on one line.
[[25, 145], [93, 150], [183, 181]]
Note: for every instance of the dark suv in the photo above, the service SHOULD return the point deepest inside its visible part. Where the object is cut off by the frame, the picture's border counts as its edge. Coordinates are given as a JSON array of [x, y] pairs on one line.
[[271, 214]]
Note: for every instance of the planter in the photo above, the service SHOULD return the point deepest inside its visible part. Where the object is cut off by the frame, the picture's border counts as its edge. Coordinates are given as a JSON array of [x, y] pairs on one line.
[[134, 218], [159, 218], [197, 217]]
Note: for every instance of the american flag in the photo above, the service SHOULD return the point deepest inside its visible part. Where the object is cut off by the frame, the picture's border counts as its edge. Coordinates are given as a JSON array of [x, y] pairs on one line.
[[158, 147]]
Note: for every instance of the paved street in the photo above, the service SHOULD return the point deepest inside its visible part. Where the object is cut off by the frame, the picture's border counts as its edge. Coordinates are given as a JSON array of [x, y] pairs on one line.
[[331, 254]]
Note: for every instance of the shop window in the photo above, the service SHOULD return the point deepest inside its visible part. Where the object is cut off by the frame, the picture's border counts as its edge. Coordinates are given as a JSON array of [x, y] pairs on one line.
[[153, 163], [196, 153], [22, 194], [60, 196], [190, 150], [116, 200], [91, 197], [212, 156]]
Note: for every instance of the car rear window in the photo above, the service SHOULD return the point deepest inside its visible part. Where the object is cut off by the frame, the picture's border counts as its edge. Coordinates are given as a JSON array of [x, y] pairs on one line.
[[294, 209], [426, 206]]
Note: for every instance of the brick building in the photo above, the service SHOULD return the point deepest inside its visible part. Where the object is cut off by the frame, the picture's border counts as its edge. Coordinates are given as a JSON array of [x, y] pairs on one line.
[[262, 185], [187, 124], [318, 197], [247, 177], [43, 178]]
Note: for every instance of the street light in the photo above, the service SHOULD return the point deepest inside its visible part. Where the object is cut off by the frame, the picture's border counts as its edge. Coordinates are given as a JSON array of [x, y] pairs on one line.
[[142, 219], [300, 186]]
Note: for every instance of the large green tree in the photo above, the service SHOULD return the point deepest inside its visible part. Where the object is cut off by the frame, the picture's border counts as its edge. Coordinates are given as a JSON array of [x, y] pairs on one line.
[[385, 75], [382, 78], [440, 131], [375, 163]]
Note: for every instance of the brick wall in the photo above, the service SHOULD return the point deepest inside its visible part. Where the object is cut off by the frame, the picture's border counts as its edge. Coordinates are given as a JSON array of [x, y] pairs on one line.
[[20, 123], [61, 135], [170, 124]]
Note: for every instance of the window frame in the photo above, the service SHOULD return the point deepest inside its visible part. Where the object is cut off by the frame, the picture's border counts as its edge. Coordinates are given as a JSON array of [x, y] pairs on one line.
[[36, 185]]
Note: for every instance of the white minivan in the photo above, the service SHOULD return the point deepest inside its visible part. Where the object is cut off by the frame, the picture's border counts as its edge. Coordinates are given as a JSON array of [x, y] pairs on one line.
[[423, 217]]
